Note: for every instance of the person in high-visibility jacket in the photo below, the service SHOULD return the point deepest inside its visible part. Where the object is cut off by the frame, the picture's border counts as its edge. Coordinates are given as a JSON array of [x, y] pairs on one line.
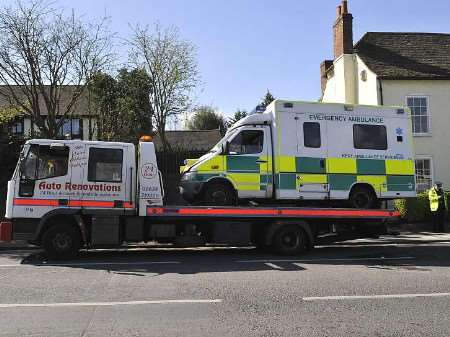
[[438, 207]]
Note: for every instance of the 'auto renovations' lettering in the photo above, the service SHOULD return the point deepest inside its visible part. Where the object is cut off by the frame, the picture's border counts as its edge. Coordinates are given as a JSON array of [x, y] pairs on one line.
[[78, 187]]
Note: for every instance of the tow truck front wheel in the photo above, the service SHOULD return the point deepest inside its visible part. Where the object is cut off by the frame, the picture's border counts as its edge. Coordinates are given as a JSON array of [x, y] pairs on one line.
[[61, 241]]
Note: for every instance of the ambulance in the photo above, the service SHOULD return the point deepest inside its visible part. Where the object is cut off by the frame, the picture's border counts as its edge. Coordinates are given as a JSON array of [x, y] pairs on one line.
[[304, 151]]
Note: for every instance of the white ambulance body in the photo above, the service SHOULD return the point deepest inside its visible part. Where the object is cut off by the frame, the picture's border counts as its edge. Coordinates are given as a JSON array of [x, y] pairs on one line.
[[312, 151]]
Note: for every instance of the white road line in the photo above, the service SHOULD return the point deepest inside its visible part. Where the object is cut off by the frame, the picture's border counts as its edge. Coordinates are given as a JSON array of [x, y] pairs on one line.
[[330, 260], [74, 264], [272, 265], [105, 304], [369, 297]]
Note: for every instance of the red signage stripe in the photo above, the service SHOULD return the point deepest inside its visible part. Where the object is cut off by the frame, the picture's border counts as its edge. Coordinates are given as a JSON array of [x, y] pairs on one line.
[[35, 202], [334, 212], [226, 211], [273, 212], [71, 203]]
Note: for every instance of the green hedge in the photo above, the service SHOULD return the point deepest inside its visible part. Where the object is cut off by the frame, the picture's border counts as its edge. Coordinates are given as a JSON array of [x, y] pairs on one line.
[[416, 209]]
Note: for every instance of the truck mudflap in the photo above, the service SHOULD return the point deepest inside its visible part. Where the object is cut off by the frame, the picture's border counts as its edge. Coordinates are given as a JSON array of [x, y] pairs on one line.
[[6, 231], [275, 212]]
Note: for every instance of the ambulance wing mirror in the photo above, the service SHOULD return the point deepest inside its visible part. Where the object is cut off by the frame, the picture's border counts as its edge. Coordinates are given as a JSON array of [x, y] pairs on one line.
[[225, 147]]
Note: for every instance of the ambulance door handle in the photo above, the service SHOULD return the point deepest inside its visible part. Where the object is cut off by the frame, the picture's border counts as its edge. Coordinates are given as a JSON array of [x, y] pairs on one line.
[[322, 163], [261, 161]]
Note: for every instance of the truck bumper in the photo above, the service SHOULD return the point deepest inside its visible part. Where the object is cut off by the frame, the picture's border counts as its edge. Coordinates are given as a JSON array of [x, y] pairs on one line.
[[190, 190]]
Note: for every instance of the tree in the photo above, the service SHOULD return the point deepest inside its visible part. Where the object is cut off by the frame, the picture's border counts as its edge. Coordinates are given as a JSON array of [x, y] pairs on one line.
[[267, 99], [121, 105], [172, 67], [46, 60], [238, 115], [206, 118]]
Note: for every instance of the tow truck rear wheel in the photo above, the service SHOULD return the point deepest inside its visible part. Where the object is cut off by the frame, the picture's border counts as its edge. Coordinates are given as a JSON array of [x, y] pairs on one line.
[[219, 194], [61, 241], [290, 240]]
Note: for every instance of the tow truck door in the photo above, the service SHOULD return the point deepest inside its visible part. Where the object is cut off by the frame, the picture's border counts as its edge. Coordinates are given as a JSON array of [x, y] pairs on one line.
[[106, 179]]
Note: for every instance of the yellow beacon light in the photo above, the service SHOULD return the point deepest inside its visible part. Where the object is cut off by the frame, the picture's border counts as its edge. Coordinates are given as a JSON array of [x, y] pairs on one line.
[[146, 138]]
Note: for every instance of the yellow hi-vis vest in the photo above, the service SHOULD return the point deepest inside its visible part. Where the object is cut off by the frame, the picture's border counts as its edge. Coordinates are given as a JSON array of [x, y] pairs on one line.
[[434, 197]]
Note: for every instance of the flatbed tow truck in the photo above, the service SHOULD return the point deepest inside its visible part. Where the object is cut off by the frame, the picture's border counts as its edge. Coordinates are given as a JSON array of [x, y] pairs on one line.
[[69, 195]]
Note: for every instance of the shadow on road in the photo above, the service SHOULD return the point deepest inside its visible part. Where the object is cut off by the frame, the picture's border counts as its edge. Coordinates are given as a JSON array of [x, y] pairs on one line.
[[158, 261]]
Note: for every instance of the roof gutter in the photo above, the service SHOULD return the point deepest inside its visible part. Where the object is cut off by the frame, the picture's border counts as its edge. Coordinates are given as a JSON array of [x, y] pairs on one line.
[[380, 88]]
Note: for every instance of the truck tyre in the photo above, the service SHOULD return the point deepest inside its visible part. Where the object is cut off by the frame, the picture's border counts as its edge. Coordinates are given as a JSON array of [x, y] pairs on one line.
[[290, 240], [219, 194], [362, 197], [61, 241]]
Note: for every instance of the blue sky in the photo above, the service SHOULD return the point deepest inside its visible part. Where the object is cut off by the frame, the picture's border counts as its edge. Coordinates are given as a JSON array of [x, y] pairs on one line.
[[245, 47]]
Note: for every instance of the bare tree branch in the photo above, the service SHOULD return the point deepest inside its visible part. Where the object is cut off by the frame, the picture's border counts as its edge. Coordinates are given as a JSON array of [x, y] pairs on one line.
[[47, 59]]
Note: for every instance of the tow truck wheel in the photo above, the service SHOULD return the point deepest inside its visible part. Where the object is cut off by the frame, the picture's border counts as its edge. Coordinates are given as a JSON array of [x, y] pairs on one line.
[[290, 240], [61, 241], [362, 197], [219, 194]]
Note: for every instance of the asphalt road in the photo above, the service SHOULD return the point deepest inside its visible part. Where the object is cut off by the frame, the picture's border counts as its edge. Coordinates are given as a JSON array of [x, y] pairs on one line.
[[349, 290]]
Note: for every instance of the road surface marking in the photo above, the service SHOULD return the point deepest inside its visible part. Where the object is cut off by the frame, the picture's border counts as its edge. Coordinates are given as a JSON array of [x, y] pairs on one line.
[[105, 304], [330, 260], [87, 264], [272, 265], [369, 297]]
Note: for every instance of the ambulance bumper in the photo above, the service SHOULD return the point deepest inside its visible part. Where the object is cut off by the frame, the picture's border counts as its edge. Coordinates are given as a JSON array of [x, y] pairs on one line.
[[190, 190]]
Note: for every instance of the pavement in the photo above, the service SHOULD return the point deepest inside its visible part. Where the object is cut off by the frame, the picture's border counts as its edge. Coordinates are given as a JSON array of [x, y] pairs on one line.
[[391, 286]]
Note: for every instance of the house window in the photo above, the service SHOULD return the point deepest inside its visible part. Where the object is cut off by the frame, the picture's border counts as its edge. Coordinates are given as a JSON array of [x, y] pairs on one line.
[[424, 173], [72, 128], [419, 114], [16, 128]]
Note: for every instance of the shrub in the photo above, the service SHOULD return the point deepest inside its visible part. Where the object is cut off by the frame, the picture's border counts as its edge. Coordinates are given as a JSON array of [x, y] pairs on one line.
[[416, 209]]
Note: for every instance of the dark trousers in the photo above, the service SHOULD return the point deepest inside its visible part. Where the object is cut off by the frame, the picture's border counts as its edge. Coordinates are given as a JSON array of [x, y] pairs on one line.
[[437, 219]]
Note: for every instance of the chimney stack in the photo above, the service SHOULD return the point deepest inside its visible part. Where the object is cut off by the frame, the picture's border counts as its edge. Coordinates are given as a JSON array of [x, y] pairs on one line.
[[343, 31]]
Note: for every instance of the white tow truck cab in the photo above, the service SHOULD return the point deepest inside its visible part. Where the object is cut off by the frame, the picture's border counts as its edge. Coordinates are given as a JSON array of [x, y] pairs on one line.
[[297, 151], [70, 194]]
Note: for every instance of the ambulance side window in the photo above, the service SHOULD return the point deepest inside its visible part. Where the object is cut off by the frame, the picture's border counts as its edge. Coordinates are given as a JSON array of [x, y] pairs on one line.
[[370, 137], [247, 142], [311, 135], [105, 165]]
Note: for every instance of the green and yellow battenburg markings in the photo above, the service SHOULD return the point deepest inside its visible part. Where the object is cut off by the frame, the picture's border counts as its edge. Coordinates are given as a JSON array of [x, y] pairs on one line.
[[254, 173]]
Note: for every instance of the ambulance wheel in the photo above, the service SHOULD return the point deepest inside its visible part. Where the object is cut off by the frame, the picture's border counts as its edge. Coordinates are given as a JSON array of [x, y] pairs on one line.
[[290, 240], [219, 194], [61, 241], [362, 197]]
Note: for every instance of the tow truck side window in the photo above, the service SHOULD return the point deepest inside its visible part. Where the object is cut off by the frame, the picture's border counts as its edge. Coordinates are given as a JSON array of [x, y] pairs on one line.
[[105, 165], [247, 142], [44, 162]]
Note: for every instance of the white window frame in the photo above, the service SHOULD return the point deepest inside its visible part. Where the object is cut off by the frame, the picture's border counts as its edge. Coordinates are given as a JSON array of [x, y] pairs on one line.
[[424, 157], [427, 98]]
